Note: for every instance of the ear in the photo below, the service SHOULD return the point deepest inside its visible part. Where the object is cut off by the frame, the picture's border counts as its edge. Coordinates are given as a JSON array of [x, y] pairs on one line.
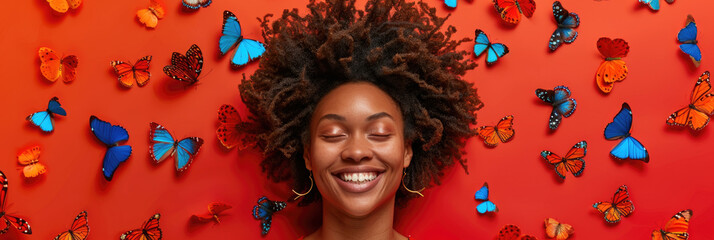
[[306, 157], [408, 154]]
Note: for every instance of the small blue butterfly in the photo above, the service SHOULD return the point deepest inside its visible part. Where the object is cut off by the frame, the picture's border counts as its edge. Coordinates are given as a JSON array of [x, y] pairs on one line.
[[495, 50], [111, 135], [247, 50], [566, 22], [44, 119], [163, 145], [619, 128], [450, 3], [654, 4], [563, 105], [264, 212], [487, 206], [688, 37]]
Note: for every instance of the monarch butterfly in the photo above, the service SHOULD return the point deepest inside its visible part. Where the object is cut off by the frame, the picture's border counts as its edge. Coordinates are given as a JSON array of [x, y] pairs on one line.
[[128, 74], [149, 231], [572, 162], [6, 219], [620, 206], [701, 105], [502, 132], [186, 68], [79, 229], [676, 228]]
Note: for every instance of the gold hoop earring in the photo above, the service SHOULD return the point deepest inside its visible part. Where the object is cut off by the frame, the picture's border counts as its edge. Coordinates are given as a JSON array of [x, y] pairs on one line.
[[409, 190], [299, 195]]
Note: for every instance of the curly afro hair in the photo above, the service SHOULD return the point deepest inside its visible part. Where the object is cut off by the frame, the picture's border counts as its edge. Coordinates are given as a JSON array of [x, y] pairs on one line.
[[399, 47]]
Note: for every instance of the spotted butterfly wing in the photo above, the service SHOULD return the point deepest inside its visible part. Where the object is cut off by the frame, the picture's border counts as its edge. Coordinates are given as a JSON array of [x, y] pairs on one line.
[[128, 74], [163, 145], [619, 207], [264, 212], [30, 159], [186, 68], [566, 21], [149, 231], [572, 162], [619, 128], [61, 6], [79, 229], [613, 68], [45, 119], [6, 220], [54, 67], [512, 232], [558, 230], [563, 104], [502, 132], [231, 131], [511, 10], [111, 136], [676, 228], [196, 4], [697, 114], [688, 37]]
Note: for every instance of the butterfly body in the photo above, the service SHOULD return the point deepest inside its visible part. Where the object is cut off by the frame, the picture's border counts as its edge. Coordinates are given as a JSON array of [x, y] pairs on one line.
[[572, 162], [163, 145], [150, 230], [511, 10], [676, 229], [79, 229], [111, 136], [30, 158], [264, 212], [620, 206], [45, 119], [247, 49], [619, 128], [688, 39], [54, 67], [495, 50], [6, 220], [566, 22], [563, 104], [150, 16], [186, 68], [128, 73], [196, 4], [486, 206]]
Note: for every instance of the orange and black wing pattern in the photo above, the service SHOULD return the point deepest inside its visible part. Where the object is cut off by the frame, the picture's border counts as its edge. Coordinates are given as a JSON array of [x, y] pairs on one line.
[[620, 206], [697, 114], [676, 228], [502, 132]]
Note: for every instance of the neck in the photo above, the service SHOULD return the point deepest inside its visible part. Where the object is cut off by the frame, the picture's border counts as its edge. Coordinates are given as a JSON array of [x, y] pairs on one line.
[[379, 224]]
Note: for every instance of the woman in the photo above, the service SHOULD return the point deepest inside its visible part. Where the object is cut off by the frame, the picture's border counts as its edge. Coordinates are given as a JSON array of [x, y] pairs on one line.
[[360, 109]]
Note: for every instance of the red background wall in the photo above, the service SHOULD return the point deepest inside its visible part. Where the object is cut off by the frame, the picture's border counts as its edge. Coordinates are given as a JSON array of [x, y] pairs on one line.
[[525, 188]]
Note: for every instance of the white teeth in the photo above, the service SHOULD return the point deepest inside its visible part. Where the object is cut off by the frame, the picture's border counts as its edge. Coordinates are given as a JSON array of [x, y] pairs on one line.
[[358, 177]]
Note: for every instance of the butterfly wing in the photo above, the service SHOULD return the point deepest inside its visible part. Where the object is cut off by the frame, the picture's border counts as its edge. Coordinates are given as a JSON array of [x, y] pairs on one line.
[[248, 50], [18, 223], [688, 37], [60, 6], [556, 161], [264, 212], [562, 102], [186, 151], [609, 48], [574, 161], [231, 32], [69, 68], [195, 59], [504, 128], [196, 4], [79, 229], [557, 230], [147, 17], [566, 22], [489, 135], [186, 68], [141, 71], [486, 207], [696, 115], [482, 193], [450, 3], [112, 158], [217, 208], [620, 125], [43, 120], [508, 10], [622, 201], [654, 4], [482, 42], [29, 156], [676, 228], [50, 63], [630, 148], [149, 231], [162, 143], [111, 136], [228, 132], [125, 72], [496, 51]]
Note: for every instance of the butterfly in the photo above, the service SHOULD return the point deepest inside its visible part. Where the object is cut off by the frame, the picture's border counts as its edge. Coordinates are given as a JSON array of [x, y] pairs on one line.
[[613, 68], [572, 162], [164, 145], [79, 229], [16, 222], [231, 126], [512, 232], [502, 132], [511, 10], [248, 49], [61, 6], [619, 206], [450, 3], [701, 105], [654, 4], [111, 136], [149, 231], [196, 4], [150, 16], [495, 50], [688, 37], [214, 209], [620, 128], [676, 228], [557, 230], [53, 66], [566, 22], [264, 212], [128, 73], [30, 158], [45, 119], [186, 68], [563, 104], [486, 206]]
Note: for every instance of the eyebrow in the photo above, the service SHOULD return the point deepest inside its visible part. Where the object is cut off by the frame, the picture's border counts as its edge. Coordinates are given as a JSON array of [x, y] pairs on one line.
[[372, 117]]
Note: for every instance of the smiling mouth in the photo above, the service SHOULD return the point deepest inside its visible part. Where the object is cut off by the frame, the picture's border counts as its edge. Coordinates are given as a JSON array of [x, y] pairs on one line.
[[358, 177]]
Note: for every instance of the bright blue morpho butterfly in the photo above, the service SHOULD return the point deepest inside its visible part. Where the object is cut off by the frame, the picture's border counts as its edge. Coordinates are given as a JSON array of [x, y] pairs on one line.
[[44, 119], [111, 136], [688, 37], [247, 49], [563, 105], [264, 212], [619, 128], [495, 50], [163, 145], [566, 22], [486, 206], [450, 3]]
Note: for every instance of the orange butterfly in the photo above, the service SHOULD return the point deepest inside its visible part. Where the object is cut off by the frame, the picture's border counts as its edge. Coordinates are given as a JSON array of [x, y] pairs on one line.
[[213, 210], [573, 161], [503, 132], [613, 68], [557, 230], [619, 207], [230, 131], [676, 228], [79, 229], [512, 232], [61, 6], [128, 73], [150, 16], [53, 67], [30, 159], [696, 115]]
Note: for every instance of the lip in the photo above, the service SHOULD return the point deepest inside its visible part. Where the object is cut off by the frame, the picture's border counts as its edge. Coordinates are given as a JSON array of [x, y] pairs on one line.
[[358, 187]]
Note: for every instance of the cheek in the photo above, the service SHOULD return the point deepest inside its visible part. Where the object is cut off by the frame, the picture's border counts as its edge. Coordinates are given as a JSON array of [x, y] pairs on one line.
[[323, 155]]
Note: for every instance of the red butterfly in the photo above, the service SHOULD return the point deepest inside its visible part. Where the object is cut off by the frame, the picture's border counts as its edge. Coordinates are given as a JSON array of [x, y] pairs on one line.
[[512, 232], [676, 228], [128, 73], [186, 68], [230, 132], [613, 68], [503, 132], [511, 10], [79, 229], [696, 115], [16, 222], [572, 162], [149, 231], [619, 207], [53, 66], [213, 210]]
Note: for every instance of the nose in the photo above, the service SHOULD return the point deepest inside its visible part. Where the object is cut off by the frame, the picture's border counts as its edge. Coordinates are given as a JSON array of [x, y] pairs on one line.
[[357, 149]]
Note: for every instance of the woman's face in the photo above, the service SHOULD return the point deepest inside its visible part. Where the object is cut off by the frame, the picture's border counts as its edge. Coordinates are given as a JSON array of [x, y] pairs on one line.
[[357, 150]]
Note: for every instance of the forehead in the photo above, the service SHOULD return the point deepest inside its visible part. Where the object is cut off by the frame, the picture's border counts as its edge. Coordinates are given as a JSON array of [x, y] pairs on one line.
[[359, 99]]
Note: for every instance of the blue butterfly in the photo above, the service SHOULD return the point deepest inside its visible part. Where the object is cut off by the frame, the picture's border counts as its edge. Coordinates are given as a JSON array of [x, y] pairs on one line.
[[654, 4], [163, 145], [563, 105], [688, 37], [196, 4], [111, 135], [487, 206], [619, 128], [495, 50], [566, 22], [264, 212], [44, 119], [450, 3], [248, 49]]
